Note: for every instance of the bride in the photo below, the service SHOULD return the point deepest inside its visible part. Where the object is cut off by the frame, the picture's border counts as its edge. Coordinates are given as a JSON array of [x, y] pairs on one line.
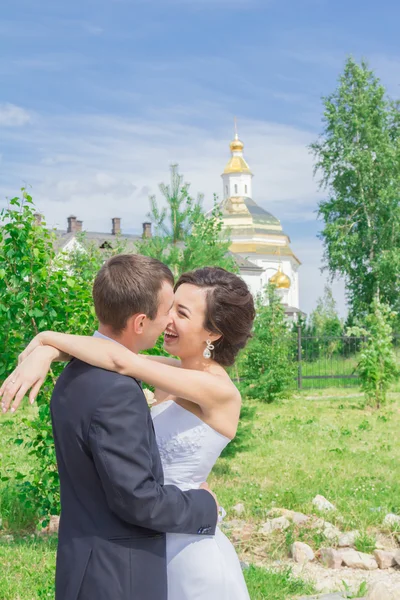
[[195, 415]]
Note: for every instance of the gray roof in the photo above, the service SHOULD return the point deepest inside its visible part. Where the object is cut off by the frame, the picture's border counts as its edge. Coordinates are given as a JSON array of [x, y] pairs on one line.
[[97, 238], [245, 264], [292, 310], [259, 214]]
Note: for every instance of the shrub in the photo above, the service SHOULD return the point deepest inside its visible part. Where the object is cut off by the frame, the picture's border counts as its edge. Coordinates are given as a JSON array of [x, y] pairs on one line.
[[377, 365], [267, 366]]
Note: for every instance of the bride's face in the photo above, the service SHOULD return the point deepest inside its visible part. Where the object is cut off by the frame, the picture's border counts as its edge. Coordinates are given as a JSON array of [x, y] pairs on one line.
[[185, 335]]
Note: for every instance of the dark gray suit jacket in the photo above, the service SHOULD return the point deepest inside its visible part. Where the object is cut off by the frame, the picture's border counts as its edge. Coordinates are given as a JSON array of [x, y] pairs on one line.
[[115, 509]]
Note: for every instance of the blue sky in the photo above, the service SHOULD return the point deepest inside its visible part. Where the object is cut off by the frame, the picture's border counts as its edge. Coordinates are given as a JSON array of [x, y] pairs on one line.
[[98, 98]]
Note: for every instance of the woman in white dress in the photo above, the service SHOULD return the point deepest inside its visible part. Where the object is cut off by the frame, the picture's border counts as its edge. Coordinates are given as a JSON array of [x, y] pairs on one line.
[[196, 412]]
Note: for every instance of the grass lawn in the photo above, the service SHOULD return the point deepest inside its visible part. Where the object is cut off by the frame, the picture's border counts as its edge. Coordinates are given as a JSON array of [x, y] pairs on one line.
[[27, 573], [27, 568], [320, 442]]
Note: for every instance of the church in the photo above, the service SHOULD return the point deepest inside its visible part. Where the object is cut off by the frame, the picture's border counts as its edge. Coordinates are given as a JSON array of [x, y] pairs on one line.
[[259, 244]]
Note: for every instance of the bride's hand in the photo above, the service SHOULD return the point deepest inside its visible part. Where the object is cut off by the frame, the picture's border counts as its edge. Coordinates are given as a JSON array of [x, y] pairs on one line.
[[29, 375], [33, 344]]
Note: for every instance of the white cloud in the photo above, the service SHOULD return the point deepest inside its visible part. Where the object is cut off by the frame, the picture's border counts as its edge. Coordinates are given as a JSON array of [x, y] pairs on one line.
[[99, 167], [72, 158], [13, 116]]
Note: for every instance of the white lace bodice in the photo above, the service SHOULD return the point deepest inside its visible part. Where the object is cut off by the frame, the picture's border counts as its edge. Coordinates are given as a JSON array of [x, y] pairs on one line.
[[188, 447]]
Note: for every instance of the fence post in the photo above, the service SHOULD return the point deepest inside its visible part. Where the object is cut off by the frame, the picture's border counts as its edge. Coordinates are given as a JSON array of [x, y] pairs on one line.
[[299, 353]]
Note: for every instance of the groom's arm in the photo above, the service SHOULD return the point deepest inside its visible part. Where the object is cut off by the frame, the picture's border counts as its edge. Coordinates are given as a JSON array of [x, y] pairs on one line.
[[120, 439]]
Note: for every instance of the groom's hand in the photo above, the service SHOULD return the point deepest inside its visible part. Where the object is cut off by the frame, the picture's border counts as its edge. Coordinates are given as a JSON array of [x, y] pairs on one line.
[[205, 486]]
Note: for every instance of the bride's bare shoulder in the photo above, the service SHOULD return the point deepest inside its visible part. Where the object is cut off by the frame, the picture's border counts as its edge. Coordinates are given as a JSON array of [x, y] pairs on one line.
[[222, 377]]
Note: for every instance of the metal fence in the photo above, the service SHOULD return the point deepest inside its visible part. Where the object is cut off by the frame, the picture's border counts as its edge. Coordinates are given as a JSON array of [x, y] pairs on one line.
[[328, 361]]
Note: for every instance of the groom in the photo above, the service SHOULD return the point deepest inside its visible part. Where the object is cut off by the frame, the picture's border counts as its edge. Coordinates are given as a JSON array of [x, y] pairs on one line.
[[115, 508]]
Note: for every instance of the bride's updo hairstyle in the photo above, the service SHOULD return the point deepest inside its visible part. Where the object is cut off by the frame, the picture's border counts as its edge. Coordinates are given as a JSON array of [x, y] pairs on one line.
[[229, 310]]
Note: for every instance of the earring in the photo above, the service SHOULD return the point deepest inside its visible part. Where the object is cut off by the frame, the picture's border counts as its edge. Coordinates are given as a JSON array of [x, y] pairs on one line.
[[207, 351]]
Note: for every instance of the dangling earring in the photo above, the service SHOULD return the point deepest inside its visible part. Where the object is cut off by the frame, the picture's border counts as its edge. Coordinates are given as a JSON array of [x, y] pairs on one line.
[[207, 351]]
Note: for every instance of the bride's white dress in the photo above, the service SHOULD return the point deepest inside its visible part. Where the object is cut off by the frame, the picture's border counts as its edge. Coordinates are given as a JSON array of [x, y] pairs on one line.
[[199, 567]]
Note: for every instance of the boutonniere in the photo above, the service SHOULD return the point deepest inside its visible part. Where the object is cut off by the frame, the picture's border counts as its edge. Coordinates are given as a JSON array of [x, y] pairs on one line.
[[149, 395]]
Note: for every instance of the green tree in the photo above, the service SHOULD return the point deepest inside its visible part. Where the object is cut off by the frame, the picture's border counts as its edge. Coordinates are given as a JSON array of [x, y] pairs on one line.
[[185, 238], [358, 158], [377, 366], [30, 300], [268, 367], [40, 289], [325, 325]]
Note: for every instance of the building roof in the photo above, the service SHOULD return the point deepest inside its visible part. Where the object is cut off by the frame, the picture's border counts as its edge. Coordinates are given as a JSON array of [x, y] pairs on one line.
[[292, 310], [245, 264], [237, 207], [64, 237], [259, 214], [280, 280], [237, 164]]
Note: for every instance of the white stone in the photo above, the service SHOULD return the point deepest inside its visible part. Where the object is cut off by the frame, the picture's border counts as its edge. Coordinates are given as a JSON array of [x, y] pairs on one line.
[[321, 503], [331, 558], [297, 518], [397, 557], [391, 519], [384, 559], [318, 523], [358, 560], [239, 509], [396, 592], [278, 524], [348, 539], [300, 518], [302, 553], [331, 532], [380, 591], [52, 527]]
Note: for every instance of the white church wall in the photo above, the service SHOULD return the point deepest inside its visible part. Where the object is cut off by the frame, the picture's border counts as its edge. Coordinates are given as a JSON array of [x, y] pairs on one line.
[[237, 184], [253, 280], [270, 267]]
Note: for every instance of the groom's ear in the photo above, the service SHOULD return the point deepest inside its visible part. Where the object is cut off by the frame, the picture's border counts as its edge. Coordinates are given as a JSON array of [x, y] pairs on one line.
[[136, 323]]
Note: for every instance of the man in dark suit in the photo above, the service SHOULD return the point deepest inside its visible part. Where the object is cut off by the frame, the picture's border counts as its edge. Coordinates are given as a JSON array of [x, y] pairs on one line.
[[115, 510]]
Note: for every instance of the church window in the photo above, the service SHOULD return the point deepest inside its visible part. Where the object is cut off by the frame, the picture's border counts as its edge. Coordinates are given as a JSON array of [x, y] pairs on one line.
[[226, 190], [235, 188], [245, 189]]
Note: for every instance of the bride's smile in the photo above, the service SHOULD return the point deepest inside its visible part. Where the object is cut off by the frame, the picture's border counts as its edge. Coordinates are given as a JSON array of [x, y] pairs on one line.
[[186, 335]]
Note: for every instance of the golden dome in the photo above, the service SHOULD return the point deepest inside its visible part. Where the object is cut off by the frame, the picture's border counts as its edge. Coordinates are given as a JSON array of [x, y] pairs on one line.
[[236, 145], [237, 164], [280, 280]]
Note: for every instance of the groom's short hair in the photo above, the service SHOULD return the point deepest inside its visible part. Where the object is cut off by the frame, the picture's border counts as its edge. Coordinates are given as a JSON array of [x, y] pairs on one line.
[[128, 284]]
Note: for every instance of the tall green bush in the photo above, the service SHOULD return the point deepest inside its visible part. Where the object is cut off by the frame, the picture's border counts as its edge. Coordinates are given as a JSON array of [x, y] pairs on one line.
[[267, 365], [377, 366], [40, 289]]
